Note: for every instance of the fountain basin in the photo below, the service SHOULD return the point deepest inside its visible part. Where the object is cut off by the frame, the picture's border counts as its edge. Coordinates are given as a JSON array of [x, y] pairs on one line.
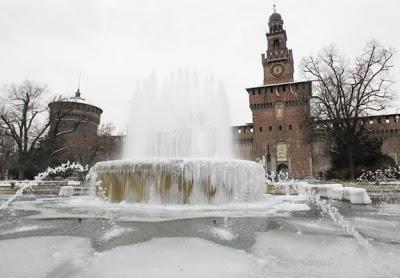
[[180, 180]]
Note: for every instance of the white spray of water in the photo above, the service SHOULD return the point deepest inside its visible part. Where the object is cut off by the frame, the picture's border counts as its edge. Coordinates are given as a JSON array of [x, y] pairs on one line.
[[18, 193], [183, 116], [339, 219]]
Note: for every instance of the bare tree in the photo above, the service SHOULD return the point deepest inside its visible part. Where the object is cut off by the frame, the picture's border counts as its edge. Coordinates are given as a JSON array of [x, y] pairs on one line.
[[346, 91], [90, 149], [24, 117]]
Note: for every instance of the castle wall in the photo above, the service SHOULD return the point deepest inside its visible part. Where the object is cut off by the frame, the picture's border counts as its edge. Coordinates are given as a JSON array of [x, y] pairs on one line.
[[243, 137], [386, 128]]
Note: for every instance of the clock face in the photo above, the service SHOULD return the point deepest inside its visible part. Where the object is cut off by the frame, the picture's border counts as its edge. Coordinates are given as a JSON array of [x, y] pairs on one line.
[[277, 70]]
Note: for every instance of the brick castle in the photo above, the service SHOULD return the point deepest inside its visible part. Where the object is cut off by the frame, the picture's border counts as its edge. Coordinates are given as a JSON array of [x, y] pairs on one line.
[[279, 136]]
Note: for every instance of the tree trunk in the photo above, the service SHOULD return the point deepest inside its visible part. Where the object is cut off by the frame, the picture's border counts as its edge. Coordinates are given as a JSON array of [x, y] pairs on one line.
[[350, 160], [21, 166], [21, 172]]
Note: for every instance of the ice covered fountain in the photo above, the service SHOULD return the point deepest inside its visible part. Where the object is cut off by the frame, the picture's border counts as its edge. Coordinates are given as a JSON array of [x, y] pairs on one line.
[[178, 149]]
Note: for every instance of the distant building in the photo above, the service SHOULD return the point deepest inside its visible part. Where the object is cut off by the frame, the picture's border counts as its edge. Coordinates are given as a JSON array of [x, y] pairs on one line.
[[76, 123], [279, 135], [75, 115]]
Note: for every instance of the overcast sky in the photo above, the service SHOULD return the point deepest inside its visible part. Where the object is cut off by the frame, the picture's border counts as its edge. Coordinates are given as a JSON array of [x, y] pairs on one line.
[[115, 43]]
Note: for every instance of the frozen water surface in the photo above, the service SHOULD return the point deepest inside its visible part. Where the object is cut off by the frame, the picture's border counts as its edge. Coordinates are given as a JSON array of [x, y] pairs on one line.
[[278, 236], [37, 257], [298, 254], [173, 258]]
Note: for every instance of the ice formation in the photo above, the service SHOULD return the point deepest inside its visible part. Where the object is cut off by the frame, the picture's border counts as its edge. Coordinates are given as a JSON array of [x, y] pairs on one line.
[[335, 191], [181, 181], [356, 196]]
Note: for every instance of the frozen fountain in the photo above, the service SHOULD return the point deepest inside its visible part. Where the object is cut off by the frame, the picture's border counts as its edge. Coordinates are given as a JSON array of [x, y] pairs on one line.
[[178, 148], [178, 152]]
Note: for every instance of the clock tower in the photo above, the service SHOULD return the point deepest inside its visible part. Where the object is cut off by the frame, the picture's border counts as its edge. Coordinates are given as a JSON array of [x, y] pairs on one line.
[[278, 59], [279, 136]]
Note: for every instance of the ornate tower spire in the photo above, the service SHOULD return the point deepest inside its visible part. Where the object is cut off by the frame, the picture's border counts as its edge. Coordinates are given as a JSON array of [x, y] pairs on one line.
[[278, 59]]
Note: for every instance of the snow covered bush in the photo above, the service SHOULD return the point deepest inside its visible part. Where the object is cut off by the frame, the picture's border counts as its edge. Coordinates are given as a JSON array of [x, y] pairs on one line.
[[389, 173], [64, 171]]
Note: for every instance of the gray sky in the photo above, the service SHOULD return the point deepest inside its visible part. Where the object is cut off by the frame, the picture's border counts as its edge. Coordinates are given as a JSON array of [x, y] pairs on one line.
[[115, 43]]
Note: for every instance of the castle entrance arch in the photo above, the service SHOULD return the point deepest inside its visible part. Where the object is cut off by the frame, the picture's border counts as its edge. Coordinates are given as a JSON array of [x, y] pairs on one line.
[[282, 168]]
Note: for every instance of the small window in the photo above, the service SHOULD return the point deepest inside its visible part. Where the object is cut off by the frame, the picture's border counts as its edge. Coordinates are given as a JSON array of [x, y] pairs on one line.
[[275, 43], [280, 127], [260, 129], [290, 127], [371, 122], [387, 120], [239, 131], [270, 128]]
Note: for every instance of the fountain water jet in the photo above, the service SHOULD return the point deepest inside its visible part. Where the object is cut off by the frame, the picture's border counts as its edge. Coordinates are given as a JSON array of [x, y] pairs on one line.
[[179, 148]]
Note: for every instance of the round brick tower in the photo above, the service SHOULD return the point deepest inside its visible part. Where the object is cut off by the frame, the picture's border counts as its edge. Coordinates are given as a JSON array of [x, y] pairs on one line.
[[74, 117]]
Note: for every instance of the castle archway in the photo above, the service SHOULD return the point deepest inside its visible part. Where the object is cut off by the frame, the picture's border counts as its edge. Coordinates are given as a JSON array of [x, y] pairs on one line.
[[282, 167]]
